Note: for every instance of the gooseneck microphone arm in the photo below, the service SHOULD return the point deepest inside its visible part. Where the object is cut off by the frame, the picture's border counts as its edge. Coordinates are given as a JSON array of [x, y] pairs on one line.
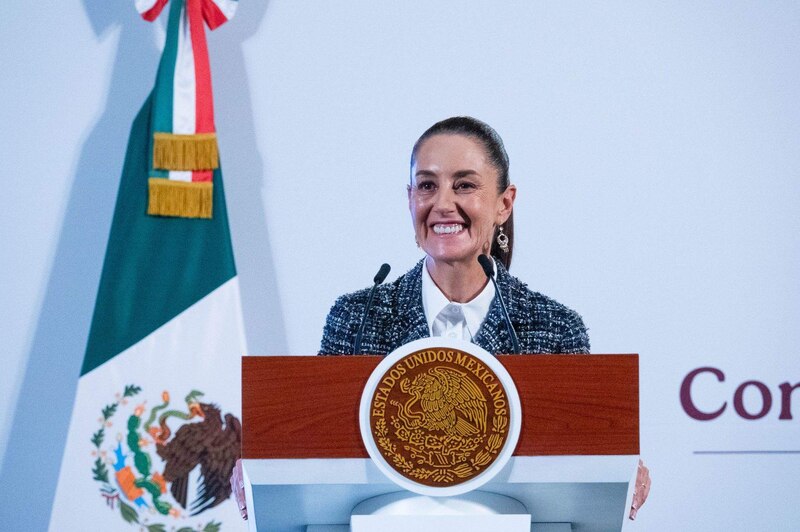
[[379, 278], [488, 269]]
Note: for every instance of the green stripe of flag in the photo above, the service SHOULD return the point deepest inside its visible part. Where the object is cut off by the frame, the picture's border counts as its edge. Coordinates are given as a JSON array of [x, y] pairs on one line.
[[163, 94], [155, 267]]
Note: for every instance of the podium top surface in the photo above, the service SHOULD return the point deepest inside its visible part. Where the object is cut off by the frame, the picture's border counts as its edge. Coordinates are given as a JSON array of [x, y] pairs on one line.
[[307, 406]]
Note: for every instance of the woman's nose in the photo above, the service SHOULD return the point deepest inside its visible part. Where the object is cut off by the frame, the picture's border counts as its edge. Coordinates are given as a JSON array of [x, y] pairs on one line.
[[444, 200]]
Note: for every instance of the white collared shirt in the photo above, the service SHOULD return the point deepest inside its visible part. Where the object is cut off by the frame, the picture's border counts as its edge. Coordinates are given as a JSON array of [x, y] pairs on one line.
[[450, 319]]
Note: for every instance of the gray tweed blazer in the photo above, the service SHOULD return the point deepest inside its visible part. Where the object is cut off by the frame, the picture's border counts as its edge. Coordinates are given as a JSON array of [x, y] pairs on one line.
[[397, 317]]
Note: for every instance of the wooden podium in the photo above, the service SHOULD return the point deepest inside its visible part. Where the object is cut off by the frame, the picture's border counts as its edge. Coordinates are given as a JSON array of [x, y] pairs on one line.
[[306, 466]]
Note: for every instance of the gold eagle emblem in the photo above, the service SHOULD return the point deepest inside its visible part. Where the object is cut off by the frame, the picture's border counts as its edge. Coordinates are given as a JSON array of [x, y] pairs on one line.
[[439, 417], [443, 399]]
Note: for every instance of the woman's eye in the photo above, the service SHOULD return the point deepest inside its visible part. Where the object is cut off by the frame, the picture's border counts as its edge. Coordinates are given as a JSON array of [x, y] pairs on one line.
[[425, 186], [464, 185]]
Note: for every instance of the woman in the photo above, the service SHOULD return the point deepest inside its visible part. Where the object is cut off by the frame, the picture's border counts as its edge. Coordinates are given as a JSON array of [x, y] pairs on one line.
[[461, 204]]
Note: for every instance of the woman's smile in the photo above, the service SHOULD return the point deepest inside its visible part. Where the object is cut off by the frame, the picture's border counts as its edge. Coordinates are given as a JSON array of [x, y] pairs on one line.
[[447, 229]]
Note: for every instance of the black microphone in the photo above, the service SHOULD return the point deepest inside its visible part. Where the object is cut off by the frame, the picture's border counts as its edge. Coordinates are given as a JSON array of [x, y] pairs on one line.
[[488, 269], [379, 278]]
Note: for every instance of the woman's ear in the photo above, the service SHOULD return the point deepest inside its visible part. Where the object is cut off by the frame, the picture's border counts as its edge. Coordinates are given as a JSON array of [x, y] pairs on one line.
[[505, 204]]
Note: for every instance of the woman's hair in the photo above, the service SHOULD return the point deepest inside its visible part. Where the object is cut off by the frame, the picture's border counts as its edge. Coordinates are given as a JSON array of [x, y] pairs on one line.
[[496, 152]]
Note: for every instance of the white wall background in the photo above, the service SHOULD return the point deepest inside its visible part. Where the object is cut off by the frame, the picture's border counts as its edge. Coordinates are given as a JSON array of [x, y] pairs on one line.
[[655, 146]]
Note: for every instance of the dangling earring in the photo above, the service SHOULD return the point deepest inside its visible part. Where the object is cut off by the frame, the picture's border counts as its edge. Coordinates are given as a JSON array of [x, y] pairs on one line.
[[502, 240], [416, 240]]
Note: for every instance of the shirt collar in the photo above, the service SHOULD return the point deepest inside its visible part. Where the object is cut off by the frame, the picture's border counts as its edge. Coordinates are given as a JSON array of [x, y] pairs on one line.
[[475, 311]]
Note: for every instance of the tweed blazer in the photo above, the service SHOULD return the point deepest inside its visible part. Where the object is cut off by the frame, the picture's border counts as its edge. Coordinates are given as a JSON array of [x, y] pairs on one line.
[[398, 317]]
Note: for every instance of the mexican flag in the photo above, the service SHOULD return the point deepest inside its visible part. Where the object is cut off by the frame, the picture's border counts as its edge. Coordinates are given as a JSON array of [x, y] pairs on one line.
[[155, 428]]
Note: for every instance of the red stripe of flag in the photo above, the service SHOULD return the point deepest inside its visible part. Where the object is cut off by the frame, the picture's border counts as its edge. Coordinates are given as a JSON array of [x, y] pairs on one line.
[[151, 14], [202, 176], [204, 103], [213, 14]]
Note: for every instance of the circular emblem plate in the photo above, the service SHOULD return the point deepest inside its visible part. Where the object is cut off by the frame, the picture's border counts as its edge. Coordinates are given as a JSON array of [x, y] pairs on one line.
[[440, 417]]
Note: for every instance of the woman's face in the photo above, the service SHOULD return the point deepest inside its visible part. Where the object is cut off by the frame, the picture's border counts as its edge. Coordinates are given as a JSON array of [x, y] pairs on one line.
[[453, 199]]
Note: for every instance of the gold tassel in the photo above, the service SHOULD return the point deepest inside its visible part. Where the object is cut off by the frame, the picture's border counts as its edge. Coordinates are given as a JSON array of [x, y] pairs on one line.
[[183, 199], [185, 152]]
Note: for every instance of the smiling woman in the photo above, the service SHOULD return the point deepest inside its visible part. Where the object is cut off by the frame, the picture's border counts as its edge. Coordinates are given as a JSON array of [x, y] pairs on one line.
[[461, 203]]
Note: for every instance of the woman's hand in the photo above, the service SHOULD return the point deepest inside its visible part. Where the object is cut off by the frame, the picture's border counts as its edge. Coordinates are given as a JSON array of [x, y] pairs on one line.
[[237, 485], [641, 490]]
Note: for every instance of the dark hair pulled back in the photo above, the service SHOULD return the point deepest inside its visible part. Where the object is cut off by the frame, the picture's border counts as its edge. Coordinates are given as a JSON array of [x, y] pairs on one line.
[[496, 152]]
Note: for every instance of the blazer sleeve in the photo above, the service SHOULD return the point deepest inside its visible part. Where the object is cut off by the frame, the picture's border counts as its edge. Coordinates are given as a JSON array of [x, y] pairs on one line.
[[341, 325], [575, 339]]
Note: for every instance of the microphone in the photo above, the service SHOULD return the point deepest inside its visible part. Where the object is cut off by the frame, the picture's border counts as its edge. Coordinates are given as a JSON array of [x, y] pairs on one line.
[[382, 273], [379, 278], [488, 269]]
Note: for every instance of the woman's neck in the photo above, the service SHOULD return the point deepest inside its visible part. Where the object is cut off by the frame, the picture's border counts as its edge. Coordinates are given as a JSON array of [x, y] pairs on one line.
[[459, 282]]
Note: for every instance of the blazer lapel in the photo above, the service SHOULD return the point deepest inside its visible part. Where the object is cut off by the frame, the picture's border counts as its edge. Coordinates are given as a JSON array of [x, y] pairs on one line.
[[412, 324], [493, 334]]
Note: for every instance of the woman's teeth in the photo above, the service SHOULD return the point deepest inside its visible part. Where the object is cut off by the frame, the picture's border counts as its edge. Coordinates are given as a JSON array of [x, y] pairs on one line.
[[441, 229]]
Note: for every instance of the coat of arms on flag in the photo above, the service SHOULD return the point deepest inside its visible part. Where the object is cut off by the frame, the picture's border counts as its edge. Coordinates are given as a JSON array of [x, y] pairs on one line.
[[155, 427], [164, 464]]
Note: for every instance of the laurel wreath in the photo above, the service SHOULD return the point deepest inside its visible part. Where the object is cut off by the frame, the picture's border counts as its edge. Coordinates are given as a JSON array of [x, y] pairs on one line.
[[442, 475], [100, 470]]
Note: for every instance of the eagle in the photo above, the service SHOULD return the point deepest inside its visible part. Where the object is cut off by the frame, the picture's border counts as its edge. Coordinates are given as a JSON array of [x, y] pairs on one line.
[[450, 403], [209, 445]]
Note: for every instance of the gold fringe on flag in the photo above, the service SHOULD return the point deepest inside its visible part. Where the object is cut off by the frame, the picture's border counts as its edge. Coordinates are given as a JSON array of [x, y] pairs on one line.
[[183, 199], [185, 152]]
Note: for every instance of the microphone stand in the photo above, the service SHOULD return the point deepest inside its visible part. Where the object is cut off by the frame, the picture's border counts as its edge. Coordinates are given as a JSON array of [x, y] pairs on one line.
[[379, 278], [488, 269]]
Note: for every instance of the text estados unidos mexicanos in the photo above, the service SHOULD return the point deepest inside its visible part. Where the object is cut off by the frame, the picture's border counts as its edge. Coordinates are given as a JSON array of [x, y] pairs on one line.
[[463, 360]]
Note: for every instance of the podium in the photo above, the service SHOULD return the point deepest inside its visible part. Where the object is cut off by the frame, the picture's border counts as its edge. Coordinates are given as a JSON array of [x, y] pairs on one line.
[[306, 467]]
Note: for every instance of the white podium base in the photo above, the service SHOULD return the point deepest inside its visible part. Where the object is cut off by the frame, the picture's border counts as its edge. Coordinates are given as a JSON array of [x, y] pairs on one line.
[[441, 523], [535, 527], [475, 511], [591, 492]]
